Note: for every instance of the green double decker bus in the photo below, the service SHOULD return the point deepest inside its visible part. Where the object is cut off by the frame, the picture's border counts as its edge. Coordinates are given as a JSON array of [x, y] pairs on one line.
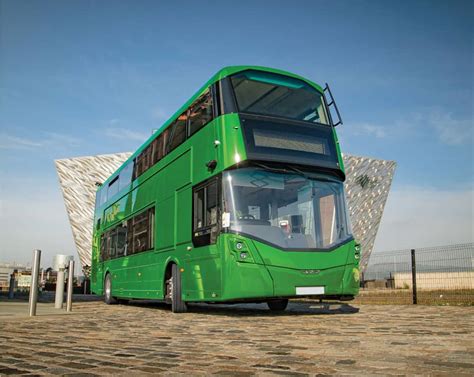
[[239, 197]]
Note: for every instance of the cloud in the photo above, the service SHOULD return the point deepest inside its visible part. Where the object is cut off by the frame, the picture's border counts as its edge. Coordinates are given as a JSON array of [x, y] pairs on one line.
[[55, 138], [448, 129], [451, 131], [121, 133], [49, 140], [420, 217], [14, 142], [368, 129], [114, 121]]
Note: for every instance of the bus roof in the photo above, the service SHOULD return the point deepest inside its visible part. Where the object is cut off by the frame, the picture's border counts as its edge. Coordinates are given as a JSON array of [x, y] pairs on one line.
[[222, 73]]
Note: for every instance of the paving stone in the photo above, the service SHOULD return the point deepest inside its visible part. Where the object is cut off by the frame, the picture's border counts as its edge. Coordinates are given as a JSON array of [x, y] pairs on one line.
[[286, 373], [345, 362], [57, 371], [241, 340], [450, 364], [11, 371], [28, 366], [149, 369], [234, 373], [74, 365]]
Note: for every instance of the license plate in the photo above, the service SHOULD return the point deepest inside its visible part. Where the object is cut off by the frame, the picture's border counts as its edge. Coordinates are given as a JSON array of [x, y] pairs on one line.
[[309, 291]]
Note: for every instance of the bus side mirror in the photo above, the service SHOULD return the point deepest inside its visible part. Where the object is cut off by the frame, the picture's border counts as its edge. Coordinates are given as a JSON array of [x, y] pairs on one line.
[[211, 165]]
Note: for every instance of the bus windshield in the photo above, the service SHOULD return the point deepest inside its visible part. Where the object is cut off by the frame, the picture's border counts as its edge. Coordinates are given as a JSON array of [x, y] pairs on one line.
[[286, 210], [276, 95]]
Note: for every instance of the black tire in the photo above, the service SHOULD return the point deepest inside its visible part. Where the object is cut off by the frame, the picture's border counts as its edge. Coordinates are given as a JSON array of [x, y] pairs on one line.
[[177, 303], [108, 298], [277, 305]]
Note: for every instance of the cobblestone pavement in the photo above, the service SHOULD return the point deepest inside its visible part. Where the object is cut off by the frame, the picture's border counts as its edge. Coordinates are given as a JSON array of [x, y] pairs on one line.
[[308, 339]]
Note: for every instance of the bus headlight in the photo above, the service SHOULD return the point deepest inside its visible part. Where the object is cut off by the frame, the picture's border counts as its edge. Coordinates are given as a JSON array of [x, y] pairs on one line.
[[241, 250]]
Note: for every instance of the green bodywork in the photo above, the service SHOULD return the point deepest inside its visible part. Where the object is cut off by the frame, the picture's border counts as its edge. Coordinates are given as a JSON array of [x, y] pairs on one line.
[[216, 272]]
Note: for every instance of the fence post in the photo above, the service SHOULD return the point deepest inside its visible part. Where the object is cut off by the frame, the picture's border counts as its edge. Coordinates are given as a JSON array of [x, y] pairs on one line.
[[70, 280], [413, 276], [34, 282]]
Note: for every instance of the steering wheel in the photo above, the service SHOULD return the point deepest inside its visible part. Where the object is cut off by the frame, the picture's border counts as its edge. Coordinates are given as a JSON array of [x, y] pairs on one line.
[[247, 217]]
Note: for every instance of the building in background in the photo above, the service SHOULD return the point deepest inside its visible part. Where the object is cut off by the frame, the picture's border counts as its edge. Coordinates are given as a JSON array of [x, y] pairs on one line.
[[368, 182], [6, 269]]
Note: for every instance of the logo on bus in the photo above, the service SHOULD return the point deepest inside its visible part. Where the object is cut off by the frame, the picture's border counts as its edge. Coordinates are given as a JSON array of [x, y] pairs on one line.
[[311, 272], [113, 212]]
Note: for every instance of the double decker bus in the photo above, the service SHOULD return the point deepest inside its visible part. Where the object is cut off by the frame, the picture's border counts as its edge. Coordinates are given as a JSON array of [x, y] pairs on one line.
[[239, 197]]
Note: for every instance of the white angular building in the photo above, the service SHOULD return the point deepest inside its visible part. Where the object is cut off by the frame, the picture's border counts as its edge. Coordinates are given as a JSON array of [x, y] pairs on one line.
[[368, 182]]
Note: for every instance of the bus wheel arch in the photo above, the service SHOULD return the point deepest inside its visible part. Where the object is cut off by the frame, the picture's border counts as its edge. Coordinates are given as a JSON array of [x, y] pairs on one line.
[[167, 280]]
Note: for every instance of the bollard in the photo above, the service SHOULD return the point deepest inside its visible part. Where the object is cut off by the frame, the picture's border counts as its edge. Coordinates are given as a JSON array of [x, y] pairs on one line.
[[70, 279], [34, 282], [58, 302], [413, 276]]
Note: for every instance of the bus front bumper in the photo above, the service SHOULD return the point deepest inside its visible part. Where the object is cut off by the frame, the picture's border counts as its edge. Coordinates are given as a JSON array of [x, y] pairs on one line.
[[257, 282], [341, 281]]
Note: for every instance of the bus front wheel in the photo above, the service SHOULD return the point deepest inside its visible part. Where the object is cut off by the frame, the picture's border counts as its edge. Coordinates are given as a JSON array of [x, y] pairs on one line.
[[108, 299], [177, 303], [277, 305]]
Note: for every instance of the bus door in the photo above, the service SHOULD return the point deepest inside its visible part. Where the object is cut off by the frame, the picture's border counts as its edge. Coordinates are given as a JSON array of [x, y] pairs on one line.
[[203, 260]]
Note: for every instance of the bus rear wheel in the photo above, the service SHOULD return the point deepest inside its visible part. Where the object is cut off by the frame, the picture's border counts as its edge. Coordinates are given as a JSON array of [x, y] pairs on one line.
[[177, 303], [108, 298], [277, 305]]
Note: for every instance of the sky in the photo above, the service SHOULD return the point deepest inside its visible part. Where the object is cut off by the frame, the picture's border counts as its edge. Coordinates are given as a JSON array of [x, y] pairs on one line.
[[94, 77]]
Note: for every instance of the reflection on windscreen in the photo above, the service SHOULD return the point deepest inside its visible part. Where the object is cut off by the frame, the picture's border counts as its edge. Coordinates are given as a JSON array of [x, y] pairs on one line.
[[287, 210], [271, 94]]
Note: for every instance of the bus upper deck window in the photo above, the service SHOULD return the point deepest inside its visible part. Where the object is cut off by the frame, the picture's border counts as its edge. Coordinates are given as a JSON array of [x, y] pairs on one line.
[[201, 113], [113, 187], [277, 95], [125, 177], [179, 132]]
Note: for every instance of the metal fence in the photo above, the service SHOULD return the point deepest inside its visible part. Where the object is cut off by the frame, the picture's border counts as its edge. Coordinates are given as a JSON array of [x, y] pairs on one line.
[[441, 275]]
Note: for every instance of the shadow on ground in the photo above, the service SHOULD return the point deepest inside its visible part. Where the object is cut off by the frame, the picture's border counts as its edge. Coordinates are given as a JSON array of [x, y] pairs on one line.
[[236, 310]]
